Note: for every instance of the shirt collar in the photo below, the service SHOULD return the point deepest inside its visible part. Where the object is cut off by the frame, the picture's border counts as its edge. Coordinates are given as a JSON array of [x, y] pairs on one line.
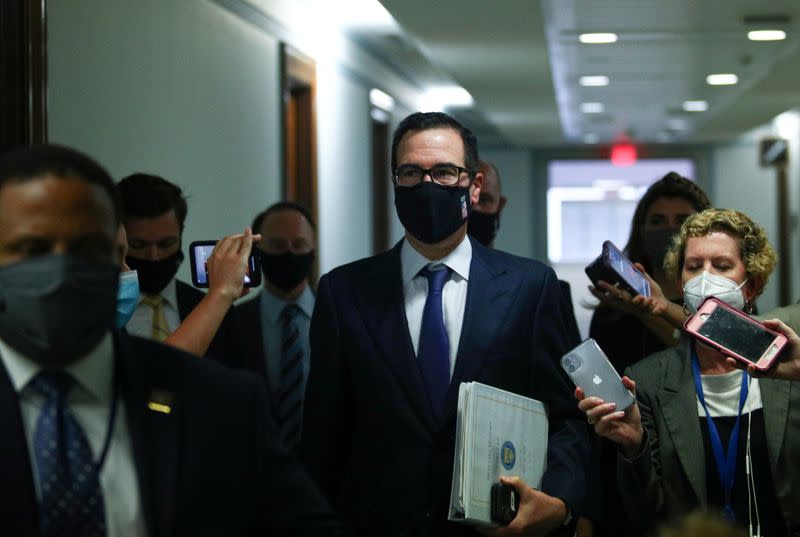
[[94, 372], [169, 293], [272, 306], [411, 261]]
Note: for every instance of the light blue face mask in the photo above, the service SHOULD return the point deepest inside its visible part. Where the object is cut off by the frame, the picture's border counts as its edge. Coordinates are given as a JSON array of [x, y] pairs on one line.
[[127, 297]]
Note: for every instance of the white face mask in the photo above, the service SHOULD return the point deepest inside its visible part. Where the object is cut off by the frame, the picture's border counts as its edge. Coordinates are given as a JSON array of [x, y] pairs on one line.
[[707, 284]]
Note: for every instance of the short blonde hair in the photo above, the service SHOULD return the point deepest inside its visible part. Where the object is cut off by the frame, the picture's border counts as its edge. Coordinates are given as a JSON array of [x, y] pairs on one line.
[[755, 251]]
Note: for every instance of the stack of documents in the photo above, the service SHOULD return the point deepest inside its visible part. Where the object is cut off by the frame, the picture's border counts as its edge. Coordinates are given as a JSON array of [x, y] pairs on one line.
[[497, 433]]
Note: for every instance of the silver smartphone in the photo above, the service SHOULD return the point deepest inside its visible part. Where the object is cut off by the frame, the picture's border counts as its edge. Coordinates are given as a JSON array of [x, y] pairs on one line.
[[589, 368]]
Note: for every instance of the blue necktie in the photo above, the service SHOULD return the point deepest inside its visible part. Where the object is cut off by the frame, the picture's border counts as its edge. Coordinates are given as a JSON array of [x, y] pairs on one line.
[[290, 397], [71, 498], [434, 344]]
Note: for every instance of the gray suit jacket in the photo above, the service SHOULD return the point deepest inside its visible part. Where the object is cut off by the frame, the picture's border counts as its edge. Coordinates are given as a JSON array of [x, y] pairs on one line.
[[668, 479]]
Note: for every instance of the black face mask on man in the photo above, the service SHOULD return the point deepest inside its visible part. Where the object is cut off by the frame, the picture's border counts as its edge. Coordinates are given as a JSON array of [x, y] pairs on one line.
[[54, 309], [155, 275], [483, 226], [286, 270], [431, 212]]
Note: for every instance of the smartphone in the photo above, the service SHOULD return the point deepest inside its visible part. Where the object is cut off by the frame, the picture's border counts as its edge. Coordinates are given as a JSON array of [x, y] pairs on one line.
[[735, 334], [200, 251], [504, 503], [590, 370], [613, 267]]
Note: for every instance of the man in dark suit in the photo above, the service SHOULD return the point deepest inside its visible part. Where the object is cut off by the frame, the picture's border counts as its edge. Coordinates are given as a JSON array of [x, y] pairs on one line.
[[274, 326], [154, 212], [393, 336], [109, 434]]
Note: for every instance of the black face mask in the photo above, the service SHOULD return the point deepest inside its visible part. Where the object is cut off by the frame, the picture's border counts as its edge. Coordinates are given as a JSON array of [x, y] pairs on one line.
[[286, 270], [656, 244], [432, 212], [155, 275], [483, 226], [54, 309]]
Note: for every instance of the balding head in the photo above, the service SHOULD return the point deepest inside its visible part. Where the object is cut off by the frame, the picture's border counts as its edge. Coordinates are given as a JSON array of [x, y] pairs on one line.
[[491, 200]]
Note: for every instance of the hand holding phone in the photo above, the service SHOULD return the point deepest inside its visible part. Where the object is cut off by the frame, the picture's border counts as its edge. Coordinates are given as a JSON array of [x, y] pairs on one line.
[[504, 503], [591, 371], [613, 267], [231, 268], [735, 334]]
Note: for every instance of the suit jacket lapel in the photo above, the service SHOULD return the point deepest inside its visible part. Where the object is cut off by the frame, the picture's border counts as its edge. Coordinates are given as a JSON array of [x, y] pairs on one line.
[[489, 296], [775, 396], [18, 510], [154, 436], [679, 408], [383, 310]]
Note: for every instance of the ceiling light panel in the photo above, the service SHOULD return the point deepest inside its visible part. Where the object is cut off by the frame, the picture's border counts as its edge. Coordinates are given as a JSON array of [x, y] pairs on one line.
[[594, 80], [722, 79], [597, 38], [766, 35], [592, 108], [695, 106]]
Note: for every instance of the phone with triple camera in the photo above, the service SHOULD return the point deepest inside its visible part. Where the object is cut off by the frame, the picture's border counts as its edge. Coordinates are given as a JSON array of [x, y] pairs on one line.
[[613, 267], [735, 334], [589, 368], [200, 251]]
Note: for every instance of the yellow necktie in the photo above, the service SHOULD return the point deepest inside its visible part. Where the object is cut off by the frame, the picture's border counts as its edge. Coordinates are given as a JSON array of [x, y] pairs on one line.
[[160, 327]]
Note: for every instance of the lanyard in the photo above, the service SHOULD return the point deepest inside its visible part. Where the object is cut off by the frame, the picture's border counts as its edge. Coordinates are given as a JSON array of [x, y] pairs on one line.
[[726, 463]]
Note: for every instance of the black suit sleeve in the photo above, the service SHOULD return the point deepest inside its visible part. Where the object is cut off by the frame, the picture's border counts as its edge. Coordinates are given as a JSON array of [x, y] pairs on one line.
[[327, 397], [568, 447]]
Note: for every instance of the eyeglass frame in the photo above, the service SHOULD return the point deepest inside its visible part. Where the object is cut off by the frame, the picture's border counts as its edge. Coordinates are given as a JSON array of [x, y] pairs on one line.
[[429, 172]]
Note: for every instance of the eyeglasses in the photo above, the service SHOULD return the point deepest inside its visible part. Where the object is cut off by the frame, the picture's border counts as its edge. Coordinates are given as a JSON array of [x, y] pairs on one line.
[[445, 175]]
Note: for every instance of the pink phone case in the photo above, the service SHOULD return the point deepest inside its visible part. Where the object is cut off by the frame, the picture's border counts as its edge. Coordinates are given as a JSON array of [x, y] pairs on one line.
[[694, 323]]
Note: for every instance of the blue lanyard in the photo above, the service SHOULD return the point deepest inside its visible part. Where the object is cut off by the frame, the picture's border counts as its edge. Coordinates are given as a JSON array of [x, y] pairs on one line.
[[726, 465]]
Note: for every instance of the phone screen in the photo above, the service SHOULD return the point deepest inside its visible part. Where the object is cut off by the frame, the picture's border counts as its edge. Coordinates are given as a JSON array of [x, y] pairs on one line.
[[201, 254], [746, 339], [628, 272]]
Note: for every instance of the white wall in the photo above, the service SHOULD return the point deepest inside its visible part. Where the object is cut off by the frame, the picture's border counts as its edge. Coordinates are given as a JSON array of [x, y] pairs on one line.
[[189, 89], [181, 89], [344, 169], [739, 182]]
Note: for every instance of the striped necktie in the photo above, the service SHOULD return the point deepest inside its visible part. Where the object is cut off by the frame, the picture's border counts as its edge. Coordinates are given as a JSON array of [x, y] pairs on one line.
[[160, 328], [71, 498], [290, 393]]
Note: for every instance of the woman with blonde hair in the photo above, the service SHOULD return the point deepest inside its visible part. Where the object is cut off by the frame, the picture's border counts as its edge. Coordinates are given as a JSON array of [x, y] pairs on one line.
[[704, 434]]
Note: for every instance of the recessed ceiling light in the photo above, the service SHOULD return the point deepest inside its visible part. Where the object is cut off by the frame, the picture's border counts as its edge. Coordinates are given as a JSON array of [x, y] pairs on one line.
[[598, 38], [598, 80], [695, 106], [381, 100], [766, 35], [590, 138], [592, 108], [438, 98], [677, 124], [722, 79]]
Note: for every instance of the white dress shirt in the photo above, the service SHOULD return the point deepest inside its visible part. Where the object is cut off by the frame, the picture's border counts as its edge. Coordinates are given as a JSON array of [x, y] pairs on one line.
[[141, 323], [90, 404], [454, 293]]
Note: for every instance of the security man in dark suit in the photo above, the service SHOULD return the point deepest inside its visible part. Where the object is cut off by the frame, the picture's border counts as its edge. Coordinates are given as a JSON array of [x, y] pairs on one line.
[[274, 326], [154, 212], [394, 335], [107, 434]]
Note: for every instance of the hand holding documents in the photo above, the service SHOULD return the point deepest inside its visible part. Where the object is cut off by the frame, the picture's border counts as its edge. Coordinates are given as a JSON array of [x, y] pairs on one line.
[[497, 433]]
